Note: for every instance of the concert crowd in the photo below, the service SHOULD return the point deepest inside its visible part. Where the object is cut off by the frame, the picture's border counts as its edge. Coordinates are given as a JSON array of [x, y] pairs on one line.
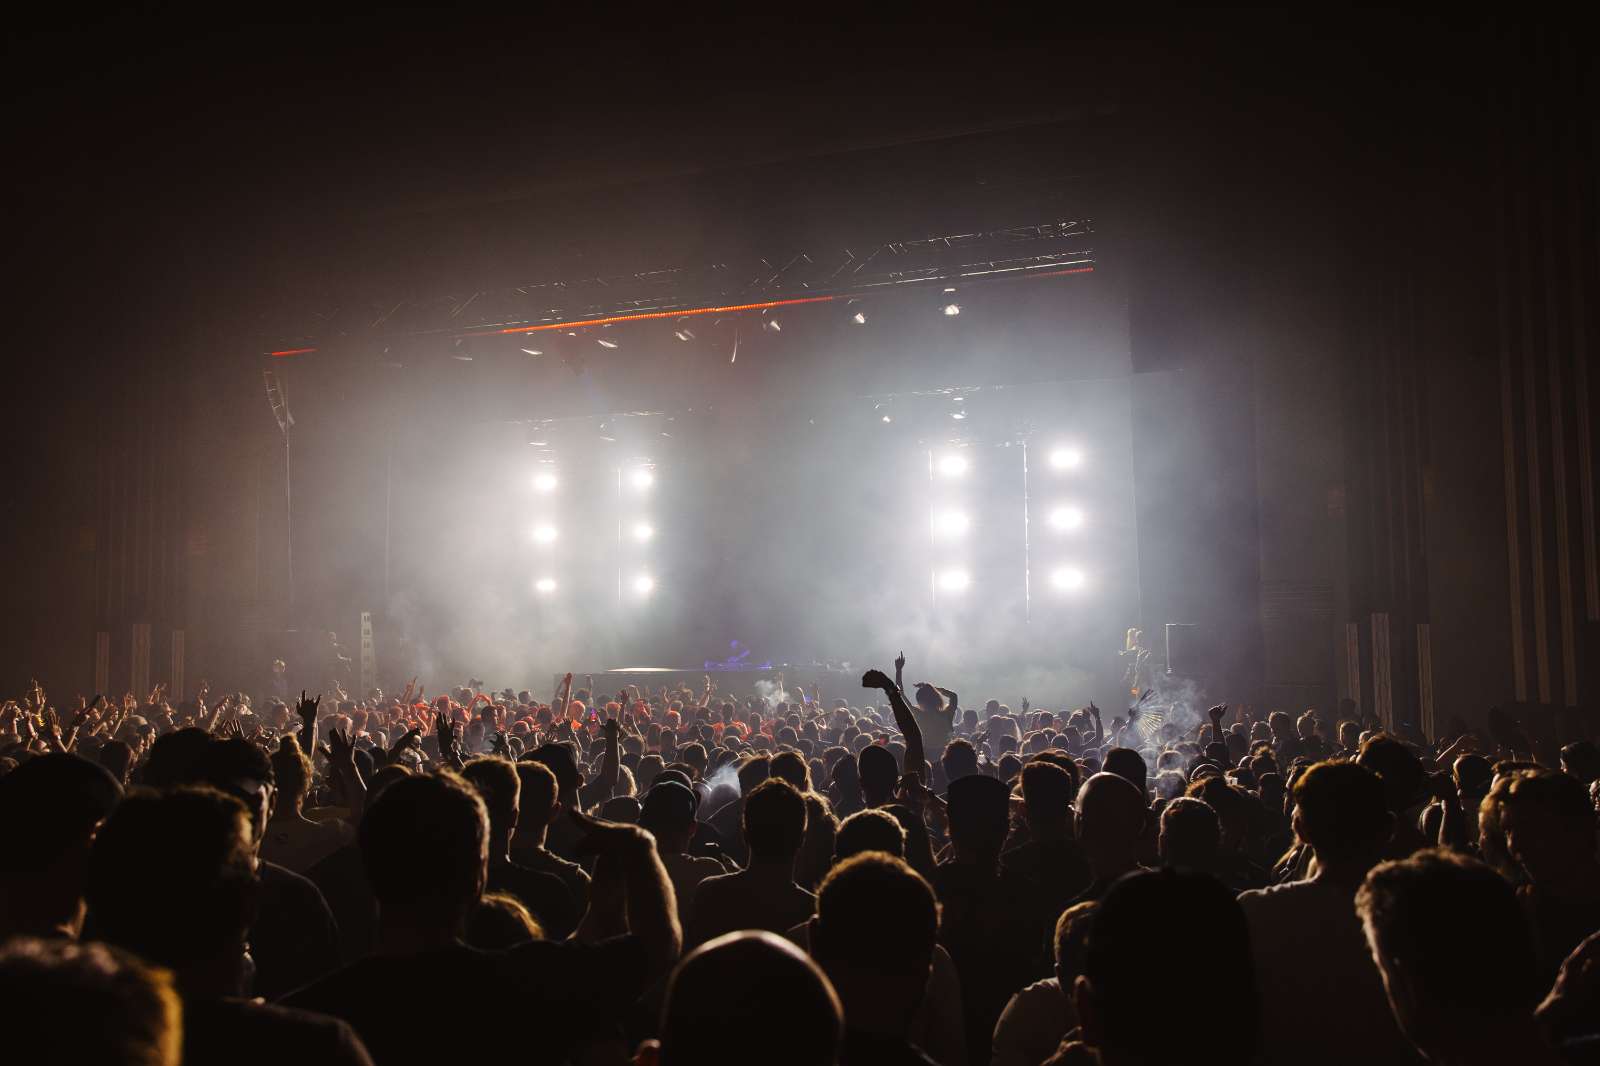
[[884, 874]]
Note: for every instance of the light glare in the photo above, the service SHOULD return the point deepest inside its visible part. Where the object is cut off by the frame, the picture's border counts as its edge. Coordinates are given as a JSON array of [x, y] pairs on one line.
[[950, 524], [953, 465], [1068, 579], [545, 585], [954, 580], [643, 531], [643, 478], [544, 534], [644, 584], [1067, 518], [545, 482], [1066, 458]]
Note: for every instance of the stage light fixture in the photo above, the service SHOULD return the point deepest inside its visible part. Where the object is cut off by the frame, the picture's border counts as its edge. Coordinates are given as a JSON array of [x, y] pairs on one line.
[[643, 531], [1066, 458], [886, 418], [545, 585], [952, 309], [771, 324], [858, 314], [460, 352], [950, 524], [683, 333], [605, 342], [546, 481], [544, 534], [959, 416], [1067, 518], [644, 584], [642, 478], [953, 465], [954, 580], [531, 351], [1068, 579]]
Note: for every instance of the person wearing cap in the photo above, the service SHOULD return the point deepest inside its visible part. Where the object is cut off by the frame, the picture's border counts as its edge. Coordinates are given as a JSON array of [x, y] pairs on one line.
[[668, 813]]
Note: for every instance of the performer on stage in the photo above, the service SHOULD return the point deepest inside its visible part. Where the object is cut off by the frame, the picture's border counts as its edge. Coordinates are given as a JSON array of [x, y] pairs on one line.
[[1137, 672]]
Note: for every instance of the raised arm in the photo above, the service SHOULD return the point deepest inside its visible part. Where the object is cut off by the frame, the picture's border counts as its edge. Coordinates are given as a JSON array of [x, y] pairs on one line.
[[904, 720], [307, 710], [611, 761], [652, 910]]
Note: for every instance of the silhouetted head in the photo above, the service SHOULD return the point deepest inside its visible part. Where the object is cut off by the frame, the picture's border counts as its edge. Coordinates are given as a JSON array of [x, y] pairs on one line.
[[50, 807], [425, 846], [1341, 810], [92, 1003], [873, 936], [500, 786], [749, 997], [1047, 798], [1141, 918], [878, 772], [869, 830], [1453, 947], [1129, 764], [979, 809], [774, 822], [537, 796], [172, 878], [1190, 834]]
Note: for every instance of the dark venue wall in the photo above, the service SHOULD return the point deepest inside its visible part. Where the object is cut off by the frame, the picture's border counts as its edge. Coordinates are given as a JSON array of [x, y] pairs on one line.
[[1357, 352]]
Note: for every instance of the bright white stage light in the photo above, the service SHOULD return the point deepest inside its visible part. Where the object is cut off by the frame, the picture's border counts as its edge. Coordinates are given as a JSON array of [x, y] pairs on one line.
[[545, 585], [643, 531], [642, 478], [954, 580], [953, 465], [859, 318], [1068, 579], [644, 584], [886, 418], [544, 534], [950, 524], [605, 342], [951, 310], [1066, 458], [1067, 518], [545, 481]]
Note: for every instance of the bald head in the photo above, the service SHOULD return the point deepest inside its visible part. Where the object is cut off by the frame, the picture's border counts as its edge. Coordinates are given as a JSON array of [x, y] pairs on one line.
[[1111, 816]]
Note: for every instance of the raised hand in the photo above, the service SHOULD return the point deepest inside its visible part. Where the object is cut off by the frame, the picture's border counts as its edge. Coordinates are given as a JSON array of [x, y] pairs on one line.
[[1217, 712], [340, 750], [307, 708], [445, 731], [900, 661], [876, 679]]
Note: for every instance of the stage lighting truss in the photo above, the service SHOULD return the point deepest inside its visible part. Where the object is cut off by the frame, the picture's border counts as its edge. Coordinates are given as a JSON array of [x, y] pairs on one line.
[[1055, 247]]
